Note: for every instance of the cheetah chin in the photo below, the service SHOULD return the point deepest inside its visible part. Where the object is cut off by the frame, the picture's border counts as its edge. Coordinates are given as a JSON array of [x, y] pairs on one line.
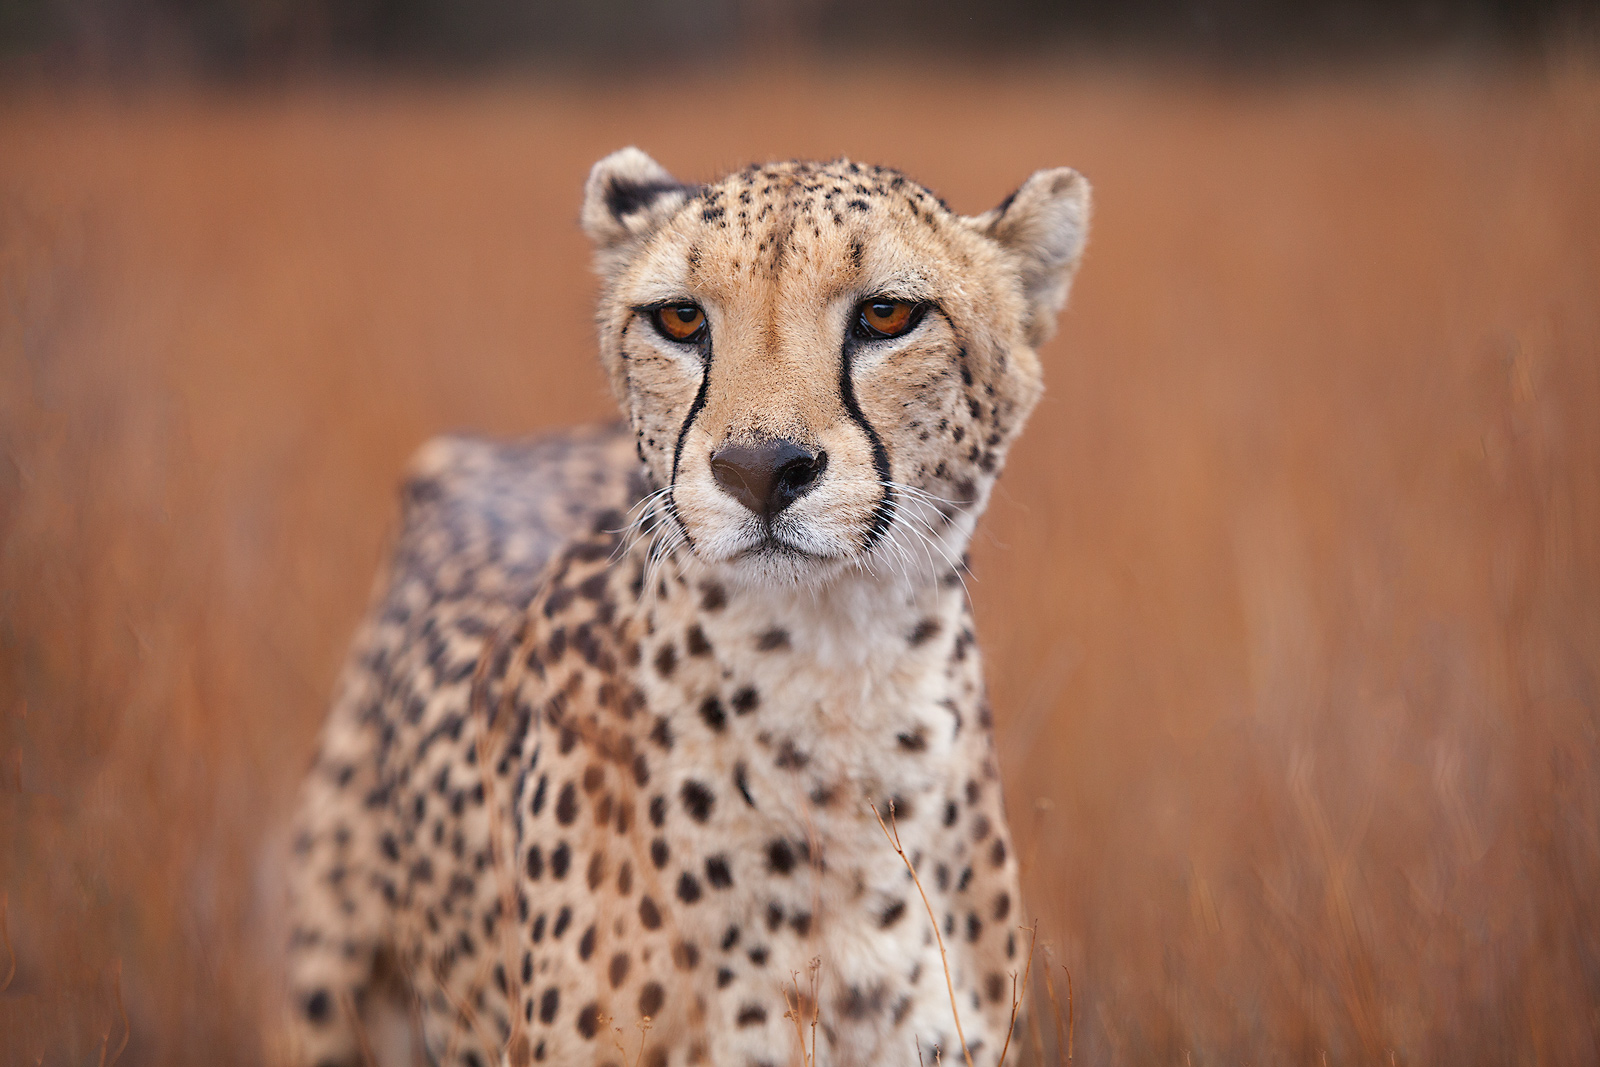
[[613, 767]]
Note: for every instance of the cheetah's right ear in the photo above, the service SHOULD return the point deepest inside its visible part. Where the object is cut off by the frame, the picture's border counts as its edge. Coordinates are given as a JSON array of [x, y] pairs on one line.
[[629, 195], [1044, 225]]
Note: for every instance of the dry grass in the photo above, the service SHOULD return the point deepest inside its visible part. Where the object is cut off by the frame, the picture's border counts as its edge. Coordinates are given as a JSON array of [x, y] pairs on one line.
[[1291, 595]]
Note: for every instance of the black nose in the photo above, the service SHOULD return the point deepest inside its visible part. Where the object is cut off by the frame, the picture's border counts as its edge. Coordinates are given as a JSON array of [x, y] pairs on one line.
[[769, 476]]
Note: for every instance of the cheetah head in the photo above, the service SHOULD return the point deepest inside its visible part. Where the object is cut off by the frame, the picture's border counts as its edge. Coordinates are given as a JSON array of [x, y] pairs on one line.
[[824, 366]]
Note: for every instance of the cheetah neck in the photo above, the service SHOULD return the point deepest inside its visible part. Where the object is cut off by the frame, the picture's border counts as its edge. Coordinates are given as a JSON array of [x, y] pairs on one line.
[[849, 665]]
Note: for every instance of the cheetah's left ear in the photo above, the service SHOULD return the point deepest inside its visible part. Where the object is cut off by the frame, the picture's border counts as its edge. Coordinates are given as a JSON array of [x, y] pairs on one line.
[[1044, 225], [628, 195]]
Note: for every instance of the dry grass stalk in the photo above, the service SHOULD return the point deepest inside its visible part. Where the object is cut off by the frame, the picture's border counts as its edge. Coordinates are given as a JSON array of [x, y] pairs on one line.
[[892, 832], [116, 991], [465, 1013], [796, 1012], [5, 936], [349, 1005], [1063, 1040], [1016, 996]]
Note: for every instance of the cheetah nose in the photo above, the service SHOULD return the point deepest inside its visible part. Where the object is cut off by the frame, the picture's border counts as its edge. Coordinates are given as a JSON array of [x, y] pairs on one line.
[[769, 476]]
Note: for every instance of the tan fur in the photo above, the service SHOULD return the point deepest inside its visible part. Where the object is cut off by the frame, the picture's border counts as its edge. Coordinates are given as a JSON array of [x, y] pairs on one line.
[[640, 779]]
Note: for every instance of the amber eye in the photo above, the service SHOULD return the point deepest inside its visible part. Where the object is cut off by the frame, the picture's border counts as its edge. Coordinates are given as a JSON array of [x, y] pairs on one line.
[[886, 318], [680, 322]]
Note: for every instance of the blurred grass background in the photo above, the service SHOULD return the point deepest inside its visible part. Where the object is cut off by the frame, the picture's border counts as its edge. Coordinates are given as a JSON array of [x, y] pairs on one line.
[[1290, 595]]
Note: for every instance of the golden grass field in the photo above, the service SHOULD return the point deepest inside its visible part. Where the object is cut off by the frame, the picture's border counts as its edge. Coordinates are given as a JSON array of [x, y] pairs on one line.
[[1290, 594]]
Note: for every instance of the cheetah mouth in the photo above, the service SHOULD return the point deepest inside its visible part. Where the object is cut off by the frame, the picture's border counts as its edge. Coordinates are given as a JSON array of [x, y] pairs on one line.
[[773, 547]]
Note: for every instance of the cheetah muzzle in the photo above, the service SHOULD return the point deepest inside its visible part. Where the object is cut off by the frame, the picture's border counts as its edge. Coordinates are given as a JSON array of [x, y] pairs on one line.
[[603, 776]]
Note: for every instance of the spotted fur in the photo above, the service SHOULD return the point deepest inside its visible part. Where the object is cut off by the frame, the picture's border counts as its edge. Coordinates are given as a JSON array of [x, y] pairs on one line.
[[610, 749]]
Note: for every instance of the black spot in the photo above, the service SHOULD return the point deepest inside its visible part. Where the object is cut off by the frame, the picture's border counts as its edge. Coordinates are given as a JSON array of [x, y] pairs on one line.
[[548, 1005], [751, 1015], [858, 1003], [618, 971], [951, 813], [558, 597], [996, 987], [773, 639], [560, 860], [649, 914], [538, 795], [695, 641], [897, 808], [713, 598], [318, 1006], [925, 631], [651, 997], [758, 955], [666, 660], [567, 805], [589, 1020], [974, 926], [780, 857], [800, 923], [685, 955], [789, 756], [741, 778], [625, 878], [688, 888], [658, 852], [535, 863], [1002, 906], [658, 810], [538, 929], [586, 943], [711, 711], [997, 853], [563, 920], [662, 734], [746, 700], [980, 827], [597, 870], [717, 872], [915, 741], [774, 915], [724, 978], [697, 800], [892, 914]]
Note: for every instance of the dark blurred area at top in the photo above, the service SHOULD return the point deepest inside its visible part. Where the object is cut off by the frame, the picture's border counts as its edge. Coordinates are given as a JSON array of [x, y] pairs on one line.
[[254, 38]]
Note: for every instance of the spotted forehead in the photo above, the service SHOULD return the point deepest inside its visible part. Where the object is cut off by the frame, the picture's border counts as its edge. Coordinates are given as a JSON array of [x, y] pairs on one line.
[[758, 220]]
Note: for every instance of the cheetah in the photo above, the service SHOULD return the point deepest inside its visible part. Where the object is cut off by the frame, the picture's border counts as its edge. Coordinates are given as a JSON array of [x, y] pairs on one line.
[[617, 766]]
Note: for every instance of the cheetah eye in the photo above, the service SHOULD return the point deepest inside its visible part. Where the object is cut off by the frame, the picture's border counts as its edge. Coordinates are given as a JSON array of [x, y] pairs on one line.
[[679, 322], [878, 319]]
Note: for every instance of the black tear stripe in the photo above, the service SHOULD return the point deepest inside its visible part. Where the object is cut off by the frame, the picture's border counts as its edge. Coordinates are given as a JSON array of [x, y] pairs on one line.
[[883, 514], [683, 431]]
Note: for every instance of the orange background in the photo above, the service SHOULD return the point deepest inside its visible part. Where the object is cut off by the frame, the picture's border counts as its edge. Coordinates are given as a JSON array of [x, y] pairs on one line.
[[1290, 595]]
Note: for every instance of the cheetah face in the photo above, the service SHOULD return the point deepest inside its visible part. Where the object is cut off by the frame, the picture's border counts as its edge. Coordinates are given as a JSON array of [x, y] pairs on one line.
[[823, 365]]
